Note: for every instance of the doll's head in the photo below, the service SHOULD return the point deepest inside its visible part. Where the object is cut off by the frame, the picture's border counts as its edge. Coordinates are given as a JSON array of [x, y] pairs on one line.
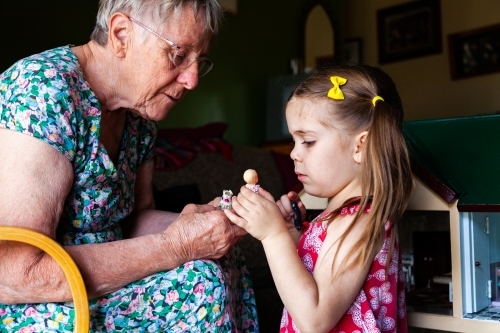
[[250, 176]]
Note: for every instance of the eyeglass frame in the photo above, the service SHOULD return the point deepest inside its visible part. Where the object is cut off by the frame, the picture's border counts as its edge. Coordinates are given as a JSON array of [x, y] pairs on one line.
[[176, 47]]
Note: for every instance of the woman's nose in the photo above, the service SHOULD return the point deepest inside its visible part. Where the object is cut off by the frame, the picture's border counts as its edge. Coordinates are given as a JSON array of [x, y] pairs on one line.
[[188, 77]]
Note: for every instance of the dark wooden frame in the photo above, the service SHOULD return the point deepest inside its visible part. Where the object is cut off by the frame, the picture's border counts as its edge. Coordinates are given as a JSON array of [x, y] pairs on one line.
[[474, 52], [408, 31], [355, 46]]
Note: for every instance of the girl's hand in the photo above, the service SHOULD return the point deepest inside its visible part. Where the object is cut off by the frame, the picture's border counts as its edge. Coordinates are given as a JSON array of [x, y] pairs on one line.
[[285, 206], [257, 213]]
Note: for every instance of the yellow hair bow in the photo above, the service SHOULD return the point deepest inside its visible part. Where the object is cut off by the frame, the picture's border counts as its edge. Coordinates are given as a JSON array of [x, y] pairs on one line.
[[335, 92]]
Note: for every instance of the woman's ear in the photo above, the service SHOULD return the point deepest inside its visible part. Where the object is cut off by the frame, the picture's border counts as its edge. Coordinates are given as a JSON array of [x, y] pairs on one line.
[[119, 34], [360, 140]]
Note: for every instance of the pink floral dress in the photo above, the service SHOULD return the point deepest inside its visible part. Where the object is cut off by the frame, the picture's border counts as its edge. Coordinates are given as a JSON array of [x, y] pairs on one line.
[[380, 305]]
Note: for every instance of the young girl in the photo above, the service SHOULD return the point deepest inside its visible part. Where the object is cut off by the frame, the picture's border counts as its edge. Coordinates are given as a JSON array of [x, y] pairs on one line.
[[342, 272]]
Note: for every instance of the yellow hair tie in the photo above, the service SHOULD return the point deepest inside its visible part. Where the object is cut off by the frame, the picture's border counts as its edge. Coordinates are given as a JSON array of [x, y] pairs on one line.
[[375, 99], [335, 92]]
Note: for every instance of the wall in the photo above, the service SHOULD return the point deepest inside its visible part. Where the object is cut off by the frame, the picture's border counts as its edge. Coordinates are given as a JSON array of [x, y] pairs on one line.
[[425, 83], [258, 42], [254, 45], [319, 37], [32, 26]]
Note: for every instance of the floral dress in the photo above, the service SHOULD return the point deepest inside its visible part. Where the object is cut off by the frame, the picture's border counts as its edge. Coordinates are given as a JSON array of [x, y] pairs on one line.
[[47, 97], [380, 305]]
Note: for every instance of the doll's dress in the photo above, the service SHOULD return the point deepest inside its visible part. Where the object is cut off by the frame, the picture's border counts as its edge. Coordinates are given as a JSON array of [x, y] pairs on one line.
[[380, 304]]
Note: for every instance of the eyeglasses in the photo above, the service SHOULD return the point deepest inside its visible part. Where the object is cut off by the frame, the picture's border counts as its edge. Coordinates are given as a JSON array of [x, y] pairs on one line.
[[181, 57]]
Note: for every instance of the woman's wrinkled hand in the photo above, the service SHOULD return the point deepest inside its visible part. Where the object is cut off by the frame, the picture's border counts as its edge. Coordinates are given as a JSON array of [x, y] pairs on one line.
[[202, 232], [215, 202]]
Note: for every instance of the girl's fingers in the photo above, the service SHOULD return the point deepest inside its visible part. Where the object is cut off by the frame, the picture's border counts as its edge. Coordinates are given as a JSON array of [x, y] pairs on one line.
[[266, 194], [238, 207], [283, 211], [239, 221], [287, 203]]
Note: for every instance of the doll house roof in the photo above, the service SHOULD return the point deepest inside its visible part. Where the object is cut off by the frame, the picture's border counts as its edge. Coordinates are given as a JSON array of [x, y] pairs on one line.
[[459, 159]]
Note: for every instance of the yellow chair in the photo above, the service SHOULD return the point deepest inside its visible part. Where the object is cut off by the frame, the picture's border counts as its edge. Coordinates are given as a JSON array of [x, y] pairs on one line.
[[67, 264]]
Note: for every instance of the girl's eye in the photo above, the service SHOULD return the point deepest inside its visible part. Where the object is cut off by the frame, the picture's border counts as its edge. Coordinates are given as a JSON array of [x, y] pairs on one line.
[[308, 143]]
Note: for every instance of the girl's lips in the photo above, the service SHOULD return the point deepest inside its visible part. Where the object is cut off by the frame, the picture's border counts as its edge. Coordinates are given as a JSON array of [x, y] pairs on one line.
[[301, 176]]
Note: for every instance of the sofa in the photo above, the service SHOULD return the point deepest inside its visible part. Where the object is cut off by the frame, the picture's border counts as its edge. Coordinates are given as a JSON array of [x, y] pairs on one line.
[[196, 165]]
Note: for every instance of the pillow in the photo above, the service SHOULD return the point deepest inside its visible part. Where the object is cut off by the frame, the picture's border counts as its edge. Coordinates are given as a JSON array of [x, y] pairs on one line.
[[176, 147], [210, 130]]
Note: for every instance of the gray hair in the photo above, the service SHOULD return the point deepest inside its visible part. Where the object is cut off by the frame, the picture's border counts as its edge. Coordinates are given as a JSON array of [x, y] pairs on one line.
[[153, 10]]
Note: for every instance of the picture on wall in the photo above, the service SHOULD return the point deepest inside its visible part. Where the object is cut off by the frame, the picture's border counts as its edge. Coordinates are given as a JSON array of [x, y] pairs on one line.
[[353, 50], [474, 52], [409, 30]]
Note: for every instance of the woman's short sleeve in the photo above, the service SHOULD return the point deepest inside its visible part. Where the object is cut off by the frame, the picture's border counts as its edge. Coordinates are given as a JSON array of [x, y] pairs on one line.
[[35, 100]]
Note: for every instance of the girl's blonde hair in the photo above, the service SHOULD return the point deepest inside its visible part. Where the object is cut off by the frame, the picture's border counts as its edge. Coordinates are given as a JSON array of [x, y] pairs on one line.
[[153, 12], [386, 176]]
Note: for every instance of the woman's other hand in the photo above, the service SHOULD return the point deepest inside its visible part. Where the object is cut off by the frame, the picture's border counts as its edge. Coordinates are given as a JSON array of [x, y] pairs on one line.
[[203, 231]]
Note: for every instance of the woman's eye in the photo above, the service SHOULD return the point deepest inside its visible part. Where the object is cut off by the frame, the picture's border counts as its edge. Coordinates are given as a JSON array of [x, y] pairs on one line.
[[308, 143], [177, 57]]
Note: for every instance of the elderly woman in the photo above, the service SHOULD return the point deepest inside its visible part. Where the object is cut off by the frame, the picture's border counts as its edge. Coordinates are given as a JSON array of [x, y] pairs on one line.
[[77, 126]]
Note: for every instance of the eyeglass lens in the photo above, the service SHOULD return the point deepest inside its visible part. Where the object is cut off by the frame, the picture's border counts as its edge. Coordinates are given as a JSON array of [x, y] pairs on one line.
[[182, 60], [204, 66]]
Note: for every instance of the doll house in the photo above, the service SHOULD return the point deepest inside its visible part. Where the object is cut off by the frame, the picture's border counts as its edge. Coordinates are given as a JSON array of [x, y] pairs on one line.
[[450, 233], [453, 224]]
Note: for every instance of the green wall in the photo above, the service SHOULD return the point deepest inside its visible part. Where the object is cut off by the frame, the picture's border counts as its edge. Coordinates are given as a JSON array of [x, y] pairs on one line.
[[254, 45]]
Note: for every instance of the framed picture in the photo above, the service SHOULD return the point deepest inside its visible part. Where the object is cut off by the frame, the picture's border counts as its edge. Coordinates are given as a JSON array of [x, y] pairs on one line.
[[474, 52], [409, 30], [229, 6], [353, 50]]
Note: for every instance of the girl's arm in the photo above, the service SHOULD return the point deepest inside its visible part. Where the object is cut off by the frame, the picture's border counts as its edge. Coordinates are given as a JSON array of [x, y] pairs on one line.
[[315, 302]]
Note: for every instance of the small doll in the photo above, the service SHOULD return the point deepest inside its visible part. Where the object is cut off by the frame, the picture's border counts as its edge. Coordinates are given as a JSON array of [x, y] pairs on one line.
[[251, 178], [225, 202]]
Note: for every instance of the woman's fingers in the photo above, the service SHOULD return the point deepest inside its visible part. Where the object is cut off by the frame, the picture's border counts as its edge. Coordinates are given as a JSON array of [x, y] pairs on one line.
[[215, 202]]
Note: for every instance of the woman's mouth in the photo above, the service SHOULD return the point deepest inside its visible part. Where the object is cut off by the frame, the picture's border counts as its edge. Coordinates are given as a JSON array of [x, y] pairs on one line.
[[173, 98]]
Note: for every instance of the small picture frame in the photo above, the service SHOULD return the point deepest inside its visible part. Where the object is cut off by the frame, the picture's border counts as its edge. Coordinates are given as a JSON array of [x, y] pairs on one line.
[[353, 50], [409, 30], [474, 52]]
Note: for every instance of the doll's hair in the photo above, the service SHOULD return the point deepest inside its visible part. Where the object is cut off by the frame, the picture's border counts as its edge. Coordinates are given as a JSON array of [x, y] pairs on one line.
[[153, 12], [386, 176]]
